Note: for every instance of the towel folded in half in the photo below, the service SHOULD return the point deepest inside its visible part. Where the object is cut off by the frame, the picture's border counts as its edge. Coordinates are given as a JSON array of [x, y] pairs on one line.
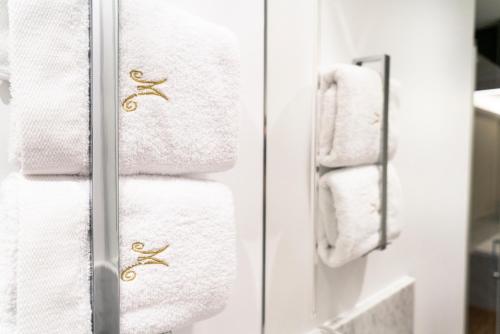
[[177, 254], [349, 207], [179, 89], [351, 114]]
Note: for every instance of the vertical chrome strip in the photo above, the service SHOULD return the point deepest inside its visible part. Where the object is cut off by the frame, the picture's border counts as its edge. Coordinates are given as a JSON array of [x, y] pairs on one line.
[[264, 173], [384, 152], [104, 166]]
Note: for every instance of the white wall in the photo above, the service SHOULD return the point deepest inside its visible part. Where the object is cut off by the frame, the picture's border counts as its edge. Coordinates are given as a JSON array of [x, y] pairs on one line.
[[431, 45], [246, 19], [291, 63]]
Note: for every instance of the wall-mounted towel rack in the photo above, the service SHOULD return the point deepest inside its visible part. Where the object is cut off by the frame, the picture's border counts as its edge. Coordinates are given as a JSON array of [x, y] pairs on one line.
[[104, 166], [383, 162], [384, 151], [385, 60]]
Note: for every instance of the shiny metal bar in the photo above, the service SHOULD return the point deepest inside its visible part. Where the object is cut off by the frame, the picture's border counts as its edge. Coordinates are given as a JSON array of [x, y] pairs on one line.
[[314, 196], [384, 152], [104, 166]]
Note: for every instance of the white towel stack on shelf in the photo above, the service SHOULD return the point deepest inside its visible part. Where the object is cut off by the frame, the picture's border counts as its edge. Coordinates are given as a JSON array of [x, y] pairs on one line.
[[179, 92], [350, 101]]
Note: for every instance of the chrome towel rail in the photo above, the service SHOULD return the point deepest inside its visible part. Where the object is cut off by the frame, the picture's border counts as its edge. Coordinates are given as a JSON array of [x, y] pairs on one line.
[[384, 152], [383, 161], [104, 103]]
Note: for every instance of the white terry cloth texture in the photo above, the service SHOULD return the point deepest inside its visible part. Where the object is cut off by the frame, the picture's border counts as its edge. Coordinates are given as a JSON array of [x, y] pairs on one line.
[[350, 127], [8, 249], [179, 89], [49, 77], [4, 34], [50, 256], [350, 219]]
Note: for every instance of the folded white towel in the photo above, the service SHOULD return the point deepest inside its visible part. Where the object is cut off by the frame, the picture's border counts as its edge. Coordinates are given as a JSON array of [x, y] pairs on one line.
[[187, 223], [52, 257], [49, 76], [8, 247], [349, 204], [4, 34], [350, 127], [179, 89]]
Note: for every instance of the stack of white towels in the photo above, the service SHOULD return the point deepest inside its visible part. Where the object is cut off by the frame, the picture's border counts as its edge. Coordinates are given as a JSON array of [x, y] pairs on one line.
[[350, 132], [179, 90]]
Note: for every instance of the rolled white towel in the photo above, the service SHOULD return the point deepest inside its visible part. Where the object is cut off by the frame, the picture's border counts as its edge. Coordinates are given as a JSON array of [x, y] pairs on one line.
[[45, 274], [350, 101], [349, 207], [179, 89]]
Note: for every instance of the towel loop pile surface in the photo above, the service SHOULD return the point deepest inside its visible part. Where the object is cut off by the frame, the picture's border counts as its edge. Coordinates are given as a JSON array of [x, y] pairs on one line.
[[179, 99], [350, 220], [179, 89], [45, 282]]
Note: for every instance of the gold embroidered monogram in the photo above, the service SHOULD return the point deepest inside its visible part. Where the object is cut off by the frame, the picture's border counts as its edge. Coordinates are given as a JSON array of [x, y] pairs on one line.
[[147, 257], [145, 87]]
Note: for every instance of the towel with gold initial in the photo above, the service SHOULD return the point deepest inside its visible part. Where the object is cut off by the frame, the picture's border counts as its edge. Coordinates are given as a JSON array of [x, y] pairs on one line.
[[179, 84], [177, 254]]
